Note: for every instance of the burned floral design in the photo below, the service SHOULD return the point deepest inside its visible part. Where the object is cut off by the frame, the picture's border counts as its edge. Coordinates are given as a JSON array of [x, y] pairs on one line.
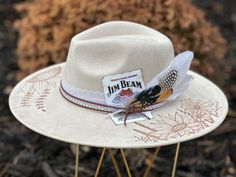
[[191, 117], [201, 111], [174, 126]]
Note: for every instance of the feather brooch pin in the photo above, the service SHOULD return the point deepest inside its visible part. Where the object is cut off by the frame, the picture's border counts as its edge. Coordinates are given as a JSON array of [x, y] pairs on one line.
[[164, 87]]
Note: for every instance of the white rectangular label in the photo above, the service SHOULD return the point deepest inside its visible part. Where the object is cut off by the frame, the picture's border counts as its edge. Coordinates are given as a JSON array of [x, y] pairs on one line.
[[118, 117], [120, 88]]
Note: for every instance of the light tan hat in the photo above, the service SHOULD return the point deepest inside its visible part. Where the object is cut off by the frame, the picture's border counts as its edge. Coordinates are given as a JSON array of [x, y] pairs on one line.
[[117, 72]]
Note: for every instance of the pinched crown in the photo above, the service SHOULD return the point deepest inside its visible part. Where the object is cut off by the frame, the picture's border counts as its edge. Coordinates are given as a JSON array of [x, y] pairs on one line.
[[115, 48]]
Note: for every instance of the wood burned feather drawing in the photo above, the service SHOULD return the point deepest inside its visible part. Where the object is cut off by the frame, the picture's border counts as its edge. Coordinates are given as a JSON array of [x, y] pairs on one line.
[[166, 86]]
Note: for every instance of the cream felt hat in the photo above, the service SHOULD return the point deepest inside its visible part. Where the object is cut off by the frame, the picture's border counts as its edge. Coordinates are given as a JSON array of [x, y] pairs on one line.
[[120, 67]]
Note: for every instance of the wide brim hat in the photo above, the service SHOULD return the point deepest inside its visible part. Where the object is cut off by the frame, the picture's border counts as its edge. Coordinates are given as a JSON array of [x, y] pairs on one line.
[[37, 101]]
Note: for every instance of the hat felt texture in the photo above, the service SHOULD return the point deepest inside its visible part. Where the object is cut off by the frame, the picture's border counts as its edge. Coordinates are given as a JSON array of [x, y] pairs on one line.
[[108, 49]]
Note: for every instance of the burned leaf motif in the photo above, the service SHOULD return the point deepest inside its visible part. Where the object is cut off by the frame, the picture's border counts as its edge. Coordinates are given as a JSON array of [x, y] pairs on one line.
[[36, 90], [191, 117], [39, 103], [25, 100]]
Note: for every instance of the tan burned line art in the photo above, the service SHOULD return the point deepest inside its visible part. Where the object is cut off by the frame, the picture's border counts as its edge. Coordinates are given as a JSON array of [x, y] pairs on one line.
[[37, 89], [39, 103], [192, 116]]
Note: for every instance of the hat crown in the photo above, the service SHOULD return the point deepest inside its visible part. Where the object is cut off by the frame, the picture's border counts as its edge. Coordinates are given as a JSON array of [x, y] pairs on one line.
[[115, 48]]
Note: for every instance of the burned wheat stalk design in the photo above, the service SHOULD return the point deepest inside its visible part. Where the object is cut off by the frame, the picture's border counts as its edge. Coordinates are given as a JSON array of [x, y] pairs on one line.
[[26, 100], [41, 100]]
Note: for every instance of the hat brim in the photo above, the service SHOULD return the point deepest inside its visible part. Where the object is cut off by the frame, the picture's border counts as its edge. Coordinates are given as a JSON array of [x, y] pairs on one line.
[[37, 103]]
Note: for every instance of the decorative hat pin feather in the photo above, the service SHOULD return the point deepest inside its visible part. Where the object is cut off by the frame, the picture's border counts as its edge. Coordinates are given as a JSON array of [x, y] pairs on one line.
[[120, 73], [164, 87]]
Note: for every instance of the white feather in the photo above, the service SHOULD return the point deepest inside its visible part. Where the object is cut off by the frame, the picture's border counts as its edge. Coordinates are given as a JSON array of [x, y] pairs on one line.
[[181, 87], [181, 63]]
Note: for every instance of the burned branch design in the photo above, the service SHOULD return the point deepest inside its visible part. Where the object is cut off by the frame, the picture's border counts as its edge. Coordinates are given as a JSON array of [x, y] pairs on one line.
[[37, 89], [25, 101], [39, 103]]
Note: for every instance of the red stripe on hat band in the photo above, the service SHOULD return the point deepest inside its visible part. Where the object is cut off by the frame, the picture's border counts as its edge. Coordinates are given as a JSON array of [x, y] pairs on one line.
[[93, 105]]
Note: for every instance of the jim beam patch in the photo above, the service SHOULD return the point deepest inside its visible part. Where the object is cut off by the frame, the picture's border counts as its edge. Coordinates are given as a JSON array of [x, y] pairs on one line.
[[119, 89]]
